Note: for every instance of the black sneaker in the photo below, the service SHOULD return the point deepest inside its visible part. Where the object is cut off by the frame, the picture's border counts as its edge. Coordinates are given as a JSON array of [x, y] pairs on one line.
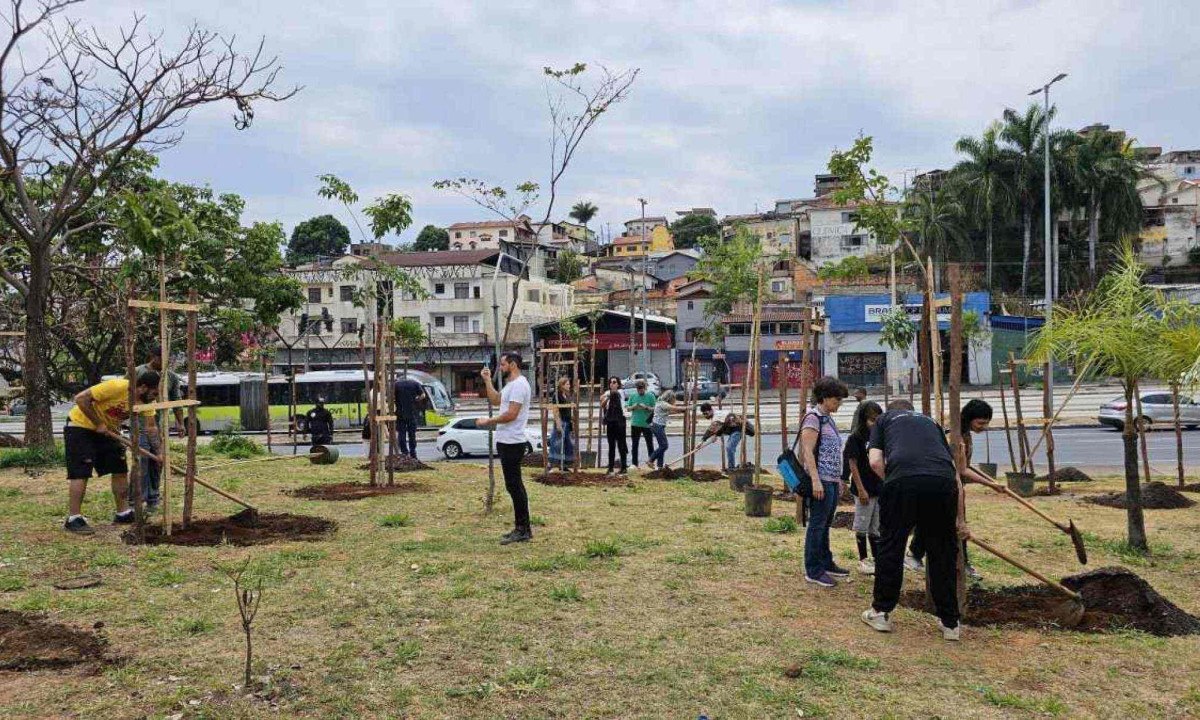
[[78, 525], [123, 518], [516, 536], [838, 572]]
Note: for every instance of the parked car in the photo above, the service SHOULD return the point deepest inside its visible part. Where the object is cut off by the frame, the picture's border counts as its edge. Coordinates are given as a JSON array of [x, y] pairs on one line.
[[706, 388], [1157, 409], [17, 407], [460, 437], [652, 383]]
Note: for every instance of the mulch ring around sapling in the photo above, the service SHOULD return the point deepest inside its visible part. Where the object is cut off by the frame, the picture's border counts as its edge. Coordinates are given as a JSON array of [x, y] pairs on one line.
[[570, 478], [1066, 475], [399, 463], [843, 520], [667, 473], [1114, 598], [1155, 496], [29, 642], [355, 490], [244, 528], [1192, 488]]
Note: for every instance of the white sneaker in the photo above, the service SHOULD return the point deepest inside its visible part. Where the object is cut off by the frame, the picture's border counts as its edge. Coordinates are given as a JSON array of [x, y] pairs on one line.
[[866, 567], [877, 620], [951, 634], [914, 564]]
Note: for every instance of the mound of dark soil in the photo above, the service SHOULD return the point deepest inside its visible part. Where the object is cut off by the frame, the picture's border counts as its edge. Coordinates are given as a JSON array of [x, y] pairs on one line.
[[532, 460], [843, 520], [1113, 598], [1066, 475], [1155, 496], [674, 474], [28, 642], [399, 463], [570, 478], [355, 490], [1194, 487], [10, 441], [244, 528], [1046, 492]]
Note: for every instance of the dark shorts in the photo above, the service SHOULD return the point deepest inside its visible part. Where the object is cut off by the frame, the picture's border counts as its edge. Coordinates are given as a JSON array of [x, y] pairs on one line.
[[89, 451]]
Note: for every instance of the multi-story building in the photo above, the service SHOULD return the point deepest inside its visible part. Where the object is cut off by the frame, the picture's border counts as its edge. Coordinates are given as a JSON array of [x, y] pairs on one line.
[[488, 234], [776, 230], [456, 314], [634, 226], [657, 239], [1170, 206]]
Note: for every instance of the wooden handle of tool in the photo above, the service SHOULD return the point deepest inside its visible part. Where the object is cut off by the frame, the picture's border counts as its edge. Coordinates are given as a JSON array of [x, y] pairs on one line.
[[698, 448], [1028, 570], [1005, 489], [180, 471]]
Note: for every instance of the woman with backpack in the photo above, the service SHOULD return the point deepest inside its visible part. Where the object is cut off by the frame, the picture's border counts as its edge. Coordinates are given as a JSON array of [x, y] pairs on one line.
[[865, 485], [612, 409], [821, 455]]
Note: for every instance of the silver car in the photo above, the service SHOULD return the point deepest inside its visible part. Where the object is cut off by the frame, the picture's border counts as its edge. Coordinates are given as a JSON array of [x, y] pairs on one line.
[[1157, 410]]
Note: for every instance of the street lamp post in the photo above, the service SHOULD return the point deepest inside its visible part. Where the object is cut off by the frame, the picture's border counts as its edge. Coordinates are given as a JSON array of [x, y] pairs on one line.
[[1047, 241], [645, 290]]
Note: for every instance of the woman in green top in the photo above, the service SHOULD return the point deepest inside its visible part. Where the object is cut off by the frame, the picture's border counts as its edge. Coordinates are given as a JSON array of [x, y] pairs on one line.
[[641, 405]]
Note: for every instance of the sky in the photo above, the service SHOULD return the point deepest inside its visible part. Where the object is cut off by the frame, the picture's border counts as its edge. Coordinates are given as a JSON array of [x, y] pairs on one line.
[[736, 104]]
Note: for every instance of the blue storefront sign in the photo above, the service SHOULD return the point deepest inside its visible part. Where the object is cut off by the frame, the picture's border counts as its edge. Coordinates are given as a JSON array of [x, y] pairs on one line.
[[864, 313]]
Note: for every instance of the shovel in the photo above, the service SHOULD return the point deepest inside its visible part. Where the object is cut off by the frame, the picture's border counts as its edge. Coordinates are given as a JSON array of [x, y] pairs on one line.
[[179, 471], [698, 448], [1069, 612], [1070, 529]]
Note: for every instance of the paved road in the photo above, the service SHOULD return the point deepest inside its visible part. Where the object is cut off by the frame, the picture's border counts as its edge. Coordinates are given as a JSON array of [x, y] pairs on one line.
[[1081, 447]]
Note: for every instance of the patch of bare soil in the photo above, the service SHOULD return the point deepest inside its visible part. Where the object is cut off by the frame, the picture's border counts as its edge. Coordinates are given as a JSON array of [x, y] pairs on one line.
[[1155, 496], [399, 463], [10, 441], [1114, 598], [680, 474], [1066, 475], [1046, 492], [570, 478], [28, 642], [244, 528], [1193, 488], [355, 490], [843, 520]]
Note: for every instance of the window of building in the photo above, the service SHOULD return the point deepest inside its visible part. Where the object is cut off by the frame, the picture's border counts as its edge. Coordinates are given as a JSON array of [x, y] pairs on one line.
[[475, 292], [689, 335], [462, 290], [314, 294], [777, 286], [472, 244], [457, 234], [439, 321], [849, 217], [461, 323], [503, 233], [474, 326], [439, 288], [851, 242], [691, 305], [862, 369], [1189, 170], [457, 246], [534, 295], [738, 329], [349, 325], [472, 233], [789, 328], [1174, 201], [347, 293]]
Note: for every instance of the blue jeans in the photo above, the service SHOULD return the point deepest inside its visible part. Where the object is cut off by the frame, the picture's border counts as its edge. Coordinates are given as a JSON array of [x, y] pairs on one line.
[[150, 474], [818, 558], [562, 445], [731, 446], [660, 437]]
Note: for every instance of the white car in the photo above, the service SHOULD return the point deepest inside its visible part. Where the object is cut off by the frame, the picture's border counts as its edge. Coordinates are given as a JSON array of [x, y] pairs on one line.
[[629, 384], [1157, 411], [460, 437]]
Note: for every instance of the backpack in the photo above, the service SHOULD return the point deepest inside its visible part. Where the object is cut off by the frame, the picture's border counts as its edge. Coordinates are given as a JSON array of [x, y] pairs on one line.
[[794, 474]]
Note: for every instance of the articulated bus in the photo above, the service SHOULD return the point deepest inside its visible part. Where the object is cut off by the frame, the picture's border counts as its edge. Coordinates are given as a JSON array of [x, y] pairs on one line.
[[344, 393]]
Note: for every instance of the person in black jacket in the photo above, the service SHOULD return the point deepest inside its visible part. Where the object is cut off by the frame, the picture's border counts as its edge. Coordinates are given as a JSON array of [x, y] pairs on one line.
[[612, 409], [921, 490], [410, 412], [320, 424], [864, 484]]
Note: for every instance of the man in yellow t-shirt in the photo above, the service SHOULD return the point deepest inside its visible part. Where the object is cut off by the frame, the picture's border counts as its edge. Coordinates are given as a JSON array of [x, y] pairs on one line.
[[91, 437]]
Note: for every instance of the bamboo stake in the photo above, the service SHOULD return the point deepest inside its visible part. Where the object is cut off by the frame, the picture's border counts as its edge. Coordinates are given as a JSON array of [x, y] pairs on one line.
[[390, 392], [783, 388], [956, 435], [189, 479], [1012, 458], [267, 400], [935, 344], [1022, 439], [575, 395], [926, 351], [592, 397], [545, 371], [373, 405], [758, 381], [1047, 432], [135, 472], [163, 384]]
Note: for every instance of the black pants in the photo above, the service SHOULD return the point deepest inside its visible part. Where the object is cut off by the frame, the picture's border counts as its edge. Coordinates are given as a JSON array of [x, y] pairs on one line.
[[406, 430], [930, 505], [917, 548], [615, 429], [510, 462], [639, 432]]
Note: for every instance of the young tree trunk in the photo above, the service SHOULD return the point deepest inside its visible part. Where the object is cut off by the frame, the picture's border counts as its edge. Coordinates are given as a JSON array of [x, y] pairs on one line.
[[39, 431], [1178, 433], [1141, 428], [1093, 211], [1027, 223], [1134, 518], [989, 246]]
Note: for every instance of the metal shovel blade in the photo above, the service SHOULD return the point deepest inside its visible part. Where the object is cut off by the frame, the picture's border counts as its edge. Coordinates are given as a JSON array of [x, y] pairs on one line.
[[1077, 541]]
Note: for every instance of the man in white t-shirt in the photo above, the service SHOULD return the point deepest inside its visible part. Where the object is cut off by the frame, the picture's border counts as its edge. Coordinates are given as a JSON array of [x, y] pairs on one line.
[[511, 442]]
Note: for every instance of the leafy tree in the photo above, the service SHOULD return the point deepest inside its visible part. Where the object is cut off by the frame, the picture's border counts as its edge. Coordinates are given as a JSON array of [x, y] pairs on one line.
[[983, 179], [848, 268], [432, 237], [1025, 133], [1118, 330], [936, 217], [321, 236], [391, 213], [975, 335], [583, 211], [76, 104], [568, 267], [688, 230], [732, 266], [1104, 169], [897, 330], [410, 336]]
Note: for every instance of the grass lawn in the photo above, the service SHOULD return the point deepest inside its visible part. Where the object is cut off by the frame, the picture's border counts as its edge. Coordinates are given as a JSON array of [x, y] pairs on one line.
[[656, 600]]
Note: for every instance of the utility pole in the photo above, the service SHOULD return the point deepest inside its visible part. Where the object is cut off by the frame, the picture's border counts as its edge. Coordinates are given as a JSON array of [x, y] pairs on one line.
[[1048, 251], [645, 295], [631, 308]]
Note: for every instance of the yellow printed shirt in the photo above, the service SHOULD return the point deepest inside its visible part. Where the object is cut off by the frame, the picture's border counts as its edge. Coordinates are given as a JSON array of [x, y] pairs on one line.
[[111, 399]]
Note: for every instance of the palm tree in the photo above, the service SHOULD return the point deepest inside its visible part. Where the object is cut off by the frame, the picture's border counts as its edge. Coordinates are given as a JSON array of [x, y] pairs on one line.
[[1024, 133], [937, 217], [1174, 357], [983, 179], [1107, 172], [584, 211], [1115, 330]]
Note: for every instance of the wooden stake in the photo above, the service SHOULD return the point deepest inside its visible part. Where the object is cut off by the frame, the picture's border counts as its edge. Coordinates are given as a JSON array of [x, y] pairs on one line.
[[267, 400], [189, 478], [164, 438], [545, 372], [1022, 436], [783, 388], [935, 345], [925, 351], [389, 390], [1178, 433], [758, 381], [1139, 426], [957, 443], [1048, 433], [1012, 458], [135, 472], [373, 405]]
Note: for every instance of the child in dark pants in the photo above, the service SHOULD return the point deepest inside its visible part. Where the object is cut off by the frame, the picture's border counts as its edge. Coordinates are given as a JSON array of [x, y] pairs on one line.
[[865, 485]]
